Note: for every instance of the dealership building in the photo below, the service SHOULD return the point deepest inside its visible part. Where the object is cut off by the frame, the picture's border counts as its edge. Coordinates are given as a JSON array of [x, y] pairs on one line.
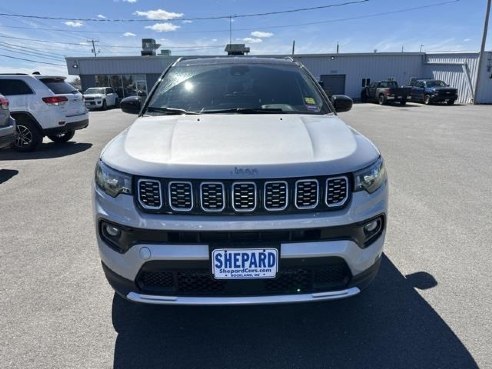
[[343, 73]]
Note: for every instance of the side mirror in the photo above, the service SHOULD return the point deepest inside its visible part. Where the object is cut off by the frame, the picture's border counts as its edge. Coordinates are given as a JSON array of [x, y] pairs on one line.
[[131, 104], [341, 103]]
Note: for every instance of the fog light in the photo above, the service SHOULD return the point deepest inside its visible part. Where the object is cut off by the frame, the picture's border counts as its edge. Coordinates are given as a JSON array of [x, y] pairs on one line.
[[112, 230], [371, 226]]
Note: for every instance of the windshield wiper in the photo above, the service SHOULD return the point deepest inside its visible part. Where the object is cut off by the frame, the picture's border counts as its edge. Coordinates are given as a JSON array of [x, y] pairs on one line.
[[170, 111], [245, 111]]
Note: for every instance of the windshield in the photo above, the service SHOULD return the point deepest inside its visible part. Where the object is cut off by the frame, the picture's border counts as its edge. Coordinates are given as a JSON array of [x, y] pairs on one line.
[[436, 84], [94, 90], [59, 86], [237, 88]]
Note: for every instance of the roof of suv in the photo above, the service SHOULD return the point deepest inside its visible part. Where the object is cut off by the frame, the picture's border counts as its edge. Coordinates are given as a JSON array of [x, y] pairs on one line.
[[235, 60]]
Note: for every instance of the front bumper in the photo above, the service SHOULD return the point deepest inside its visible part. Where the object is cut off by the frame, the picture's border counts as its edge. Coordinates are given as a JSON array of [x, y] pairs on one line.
[[123, 269], [94, 104]]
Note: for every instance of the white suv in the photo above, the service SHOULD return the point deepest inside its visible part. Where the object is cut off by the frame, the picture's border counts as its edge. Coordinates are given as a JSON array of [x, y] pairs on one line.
[[100, 98], [239, 184], [43, 106]]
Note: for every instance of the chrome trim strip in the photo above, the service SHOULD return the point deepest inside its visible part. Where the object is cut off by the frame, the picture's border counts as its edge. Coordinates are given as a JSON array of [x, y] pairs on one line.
[[223, 197], [247, 300], [169, 196], [160, 193], [286, 196], [255, 199], [340, 203], [317, 193]]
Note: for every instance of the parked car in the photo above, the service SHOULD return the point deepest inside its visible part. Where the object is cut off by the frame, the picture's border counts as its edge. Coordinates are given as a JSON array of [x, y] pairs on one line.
[[430, 91], [7, 124], [384, 92], [239, 184], [100, 98], [43, 106]]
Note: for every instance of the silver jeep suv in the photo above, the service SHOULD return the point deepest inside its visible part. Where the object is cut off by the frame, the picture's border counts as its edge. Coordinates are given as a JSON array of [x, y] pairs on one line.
[[43, 106], [239, 184]]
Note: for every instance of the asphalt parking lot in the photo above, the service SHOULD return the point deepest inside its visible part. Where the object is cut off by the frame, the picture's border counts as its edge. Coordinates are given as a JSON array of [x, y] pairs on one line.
[[428, 308]]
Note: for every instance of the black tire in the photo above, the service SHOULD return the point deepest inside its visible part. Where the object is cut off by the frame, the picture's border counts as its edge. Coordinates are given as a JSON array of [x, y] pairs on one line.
[[105, 105], [62, 137], [451, 102], [382, 99], [427, 99], [403, 102], [28, 136]]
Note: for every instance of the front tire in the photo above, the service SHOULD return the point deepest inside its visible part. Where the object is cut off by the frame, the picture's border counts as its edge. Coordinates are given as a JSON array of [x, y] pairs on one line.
[[403, 102], [450, 102], [105, 105], [427, 99], [62, 137], [382, 99], [28, 136]]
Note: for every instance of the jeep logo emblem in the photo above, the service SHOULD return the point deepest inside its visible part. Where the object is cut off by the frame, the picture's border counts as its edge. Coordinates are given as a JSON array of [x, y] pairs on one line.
[[245, 171]]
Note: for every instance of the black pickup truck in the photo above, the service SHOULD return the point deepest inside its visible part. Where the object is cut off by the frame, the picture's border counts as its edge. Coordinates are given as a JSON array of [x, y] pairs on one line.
[[385, 92], [430, 91]]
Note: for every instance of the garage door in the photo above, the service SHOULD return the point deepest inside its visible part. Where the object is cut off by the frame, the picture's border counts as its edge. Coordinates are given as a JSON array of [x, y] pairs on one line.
[[334, 84]]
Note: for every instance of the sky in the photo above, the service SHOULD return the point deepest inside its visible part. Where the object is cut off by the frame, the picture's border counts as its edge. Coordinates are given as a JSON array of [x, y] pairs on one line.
[[37, 36]]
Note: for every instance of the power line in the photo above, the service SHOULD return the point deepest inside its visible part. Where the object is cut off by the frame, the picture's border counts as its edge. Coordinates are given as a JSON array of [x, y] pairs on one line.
[[188, 19], [30, 60], [37, 52]]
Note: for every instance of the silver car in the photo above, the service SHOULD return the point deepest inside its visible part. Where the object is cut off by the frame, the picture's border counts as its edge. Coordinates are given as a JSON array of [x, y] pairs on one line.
[[239, 184], [7, 124]]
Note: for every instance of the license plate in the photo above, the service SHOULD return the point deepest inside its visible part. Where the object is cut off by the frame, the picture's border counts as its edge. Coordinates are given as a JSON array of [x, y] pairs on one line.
[[244, 263]]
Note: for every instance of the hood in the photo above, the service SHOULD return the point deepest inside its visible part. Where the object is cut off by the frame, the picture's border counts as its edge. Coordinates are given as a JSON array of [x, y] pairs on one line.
[[235, 146], [93, 95]]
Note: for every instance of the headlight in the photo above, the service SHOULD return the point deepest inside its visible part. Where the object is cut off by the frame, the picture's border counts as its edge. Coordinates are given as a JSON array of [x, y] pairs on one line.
[[111, 181], [370, 178]]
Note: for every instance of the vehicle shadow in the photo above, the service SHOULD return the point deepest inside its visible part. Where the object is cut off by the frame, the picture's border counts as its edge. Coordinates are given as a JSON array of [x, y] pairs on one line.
[[47, 150], [388, 326], [6, 174]]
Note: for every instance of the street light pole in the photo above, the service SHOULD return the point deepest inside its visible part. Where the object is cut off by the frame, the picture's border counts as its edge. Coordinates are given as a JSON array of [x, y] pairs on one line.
[[482, 52]]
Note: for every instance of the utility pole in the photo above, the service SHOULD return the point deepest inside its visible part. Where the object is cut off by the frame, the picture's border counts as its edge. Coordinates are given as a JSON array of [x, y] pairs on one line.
[[293, 47], [338, 47], [230, 29], [421, 46], [482, 51], [94, 47]]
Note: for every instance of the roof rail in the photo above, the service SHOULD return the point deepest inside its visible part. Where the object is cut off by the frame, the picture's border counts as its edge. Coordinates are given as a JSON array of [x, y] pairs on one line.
[[13, 74]]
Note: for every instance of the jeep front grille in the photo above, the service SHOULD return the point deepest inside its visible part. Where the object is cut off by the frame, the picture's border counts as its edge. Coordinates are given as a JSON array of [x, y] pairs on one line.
[[149, 193], [228, 197], [212, 196], [307, 193], [244, 196], [276, 198], [336, 191], [180, 196]]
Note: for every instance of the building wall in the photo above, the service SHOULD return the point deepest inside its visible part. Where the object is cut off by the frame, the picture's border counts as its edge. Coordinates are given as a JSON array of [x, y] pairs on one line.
[[376, 66], [457, 69]]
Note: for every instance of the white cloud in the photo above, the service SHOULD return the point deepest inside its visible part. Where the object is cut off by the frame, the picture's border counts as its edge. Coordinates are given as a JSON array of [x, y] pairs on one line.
[[158, 14], [215, 40], [163, 27], [260, 34], [130, 1], [129, 34], [100, 16], [186, 21], [74, 24], [467, 40], [252, 40]]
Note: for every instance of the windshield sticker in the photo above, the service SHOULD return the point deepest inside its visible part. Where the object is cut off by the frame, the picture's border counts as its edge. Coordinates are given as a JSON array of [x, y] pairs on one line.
[[309, 101]]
